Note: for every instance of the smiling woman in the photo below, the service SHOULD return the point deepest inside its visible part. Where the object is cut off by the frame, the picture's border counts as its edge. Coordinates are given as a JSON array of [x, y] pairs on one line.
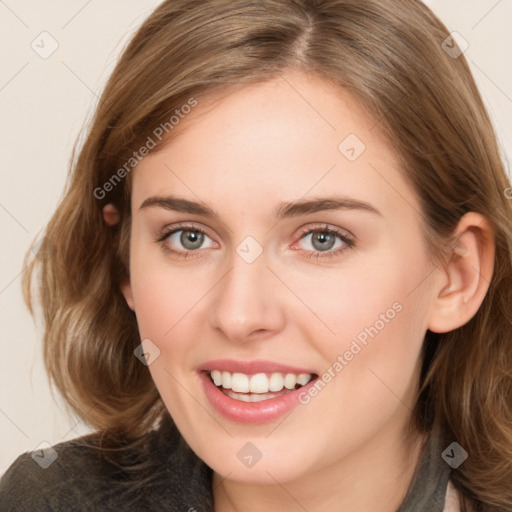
[[299, 298]]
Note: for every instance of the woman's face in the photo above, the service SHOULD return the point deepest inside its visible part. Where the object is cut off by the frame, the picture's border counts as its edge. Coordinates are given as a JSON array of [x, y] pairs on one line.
[[308, 259]]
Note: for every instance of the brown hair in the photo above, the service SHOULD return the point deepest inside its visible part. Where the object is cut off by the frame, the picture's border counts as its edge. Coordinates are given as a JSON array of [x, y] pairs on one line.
[[389, 53]]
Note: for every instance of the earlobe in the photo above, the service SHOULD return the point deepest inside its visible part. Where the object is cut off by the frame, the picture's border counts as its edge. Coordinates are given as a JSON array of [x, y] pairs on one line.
[[126, 290], [465, 279]]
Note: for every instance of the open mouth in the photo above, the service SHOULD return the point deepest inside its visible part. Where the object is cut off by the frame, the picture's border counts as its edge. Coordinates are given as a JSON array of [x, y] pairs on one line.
[[260, 386]]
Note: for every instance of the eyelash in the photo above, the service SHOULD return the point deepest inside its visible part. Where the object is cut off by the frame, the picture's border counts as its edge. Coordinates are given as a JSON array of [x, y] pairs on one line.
[[319, 255]]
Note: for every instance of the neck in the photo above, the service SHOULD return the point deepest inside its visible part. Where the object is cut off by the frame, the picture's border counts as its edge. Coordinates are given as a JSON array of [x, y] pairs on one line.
[[373, 478]]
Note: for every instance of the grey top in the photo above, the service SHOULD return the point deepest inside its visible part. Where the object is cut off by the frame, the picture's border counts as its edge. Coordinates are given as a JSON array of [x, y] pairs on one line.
[[171, 478], [430, 481]]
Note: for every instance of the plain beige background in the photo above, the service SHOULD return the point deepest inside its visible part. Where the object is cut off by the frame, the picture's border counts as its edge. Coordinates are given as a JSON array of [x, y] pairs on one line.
[[45, 99]]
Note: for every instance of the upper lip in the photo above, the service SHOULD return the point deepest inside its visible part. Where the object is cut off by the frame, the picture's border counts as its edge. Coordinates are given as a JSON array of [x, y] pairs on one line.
[[251, 367]]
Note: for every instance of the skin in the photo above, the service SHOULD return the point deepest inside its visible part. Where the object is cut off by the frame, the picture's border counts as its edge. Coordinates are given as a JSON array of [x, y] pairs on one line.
[[242, 156]]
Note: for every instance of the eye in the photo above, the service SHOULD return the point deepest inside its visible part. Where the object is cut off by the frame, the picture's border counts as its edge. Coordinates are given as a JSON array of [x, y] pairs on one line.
[[325, 242], [322, 242], [184, 240]]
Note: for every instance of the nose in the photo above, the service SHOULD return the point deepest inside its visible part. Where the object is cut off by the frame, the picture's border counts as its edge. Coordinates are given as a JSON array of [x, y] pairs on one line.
[[248, 303]]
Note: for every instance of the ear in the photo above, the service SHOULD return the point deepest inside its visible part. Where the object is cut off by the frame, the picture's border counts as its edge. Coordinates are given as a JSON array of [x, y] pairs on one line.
[[110, 215], [111, 218], [126, 290], [463, 282]]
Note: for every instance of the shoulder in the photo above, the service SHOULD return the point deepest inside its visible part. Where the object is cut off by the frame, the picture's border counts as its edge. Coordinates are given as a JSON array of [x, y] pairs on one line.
[[160, 472], [57, 478]]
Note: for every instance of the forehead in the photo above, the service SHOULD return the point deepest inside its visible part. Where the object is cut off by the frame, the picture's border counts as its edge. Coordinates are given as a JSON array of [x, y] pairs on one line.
[[293, 136]]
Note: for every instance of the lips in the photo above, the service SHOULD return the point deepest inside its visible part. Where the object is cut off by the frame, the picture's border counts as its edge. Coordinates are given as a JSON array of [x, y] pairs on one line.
[[255, 391], [252, 367]]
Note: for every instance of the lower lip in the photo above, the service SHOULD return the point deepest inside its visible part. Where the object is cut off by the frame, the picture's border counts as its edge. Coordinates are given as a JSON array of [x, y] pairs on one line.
[[251, 412]]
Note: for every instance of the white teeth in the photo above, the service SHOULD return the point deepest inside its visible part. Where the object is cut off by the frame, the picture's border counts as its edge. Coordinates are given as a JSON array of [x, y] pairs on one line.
[[290, 380], [226, 380], [259, 382], [217, 377], [303, 378], [276, 382], [240, 383]]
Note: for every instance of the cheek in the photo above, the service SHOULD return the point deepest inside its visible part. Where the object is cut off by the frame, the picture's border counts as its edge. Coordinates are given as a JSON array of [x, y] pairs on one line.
[[377, 315], [155, 303], [163, 295], [367, 301]]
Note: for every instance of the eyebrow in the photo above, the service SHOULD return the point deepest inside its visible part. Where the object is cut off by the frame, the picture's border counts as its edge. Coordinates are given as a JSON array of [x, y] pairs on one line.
[[284, 210]]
